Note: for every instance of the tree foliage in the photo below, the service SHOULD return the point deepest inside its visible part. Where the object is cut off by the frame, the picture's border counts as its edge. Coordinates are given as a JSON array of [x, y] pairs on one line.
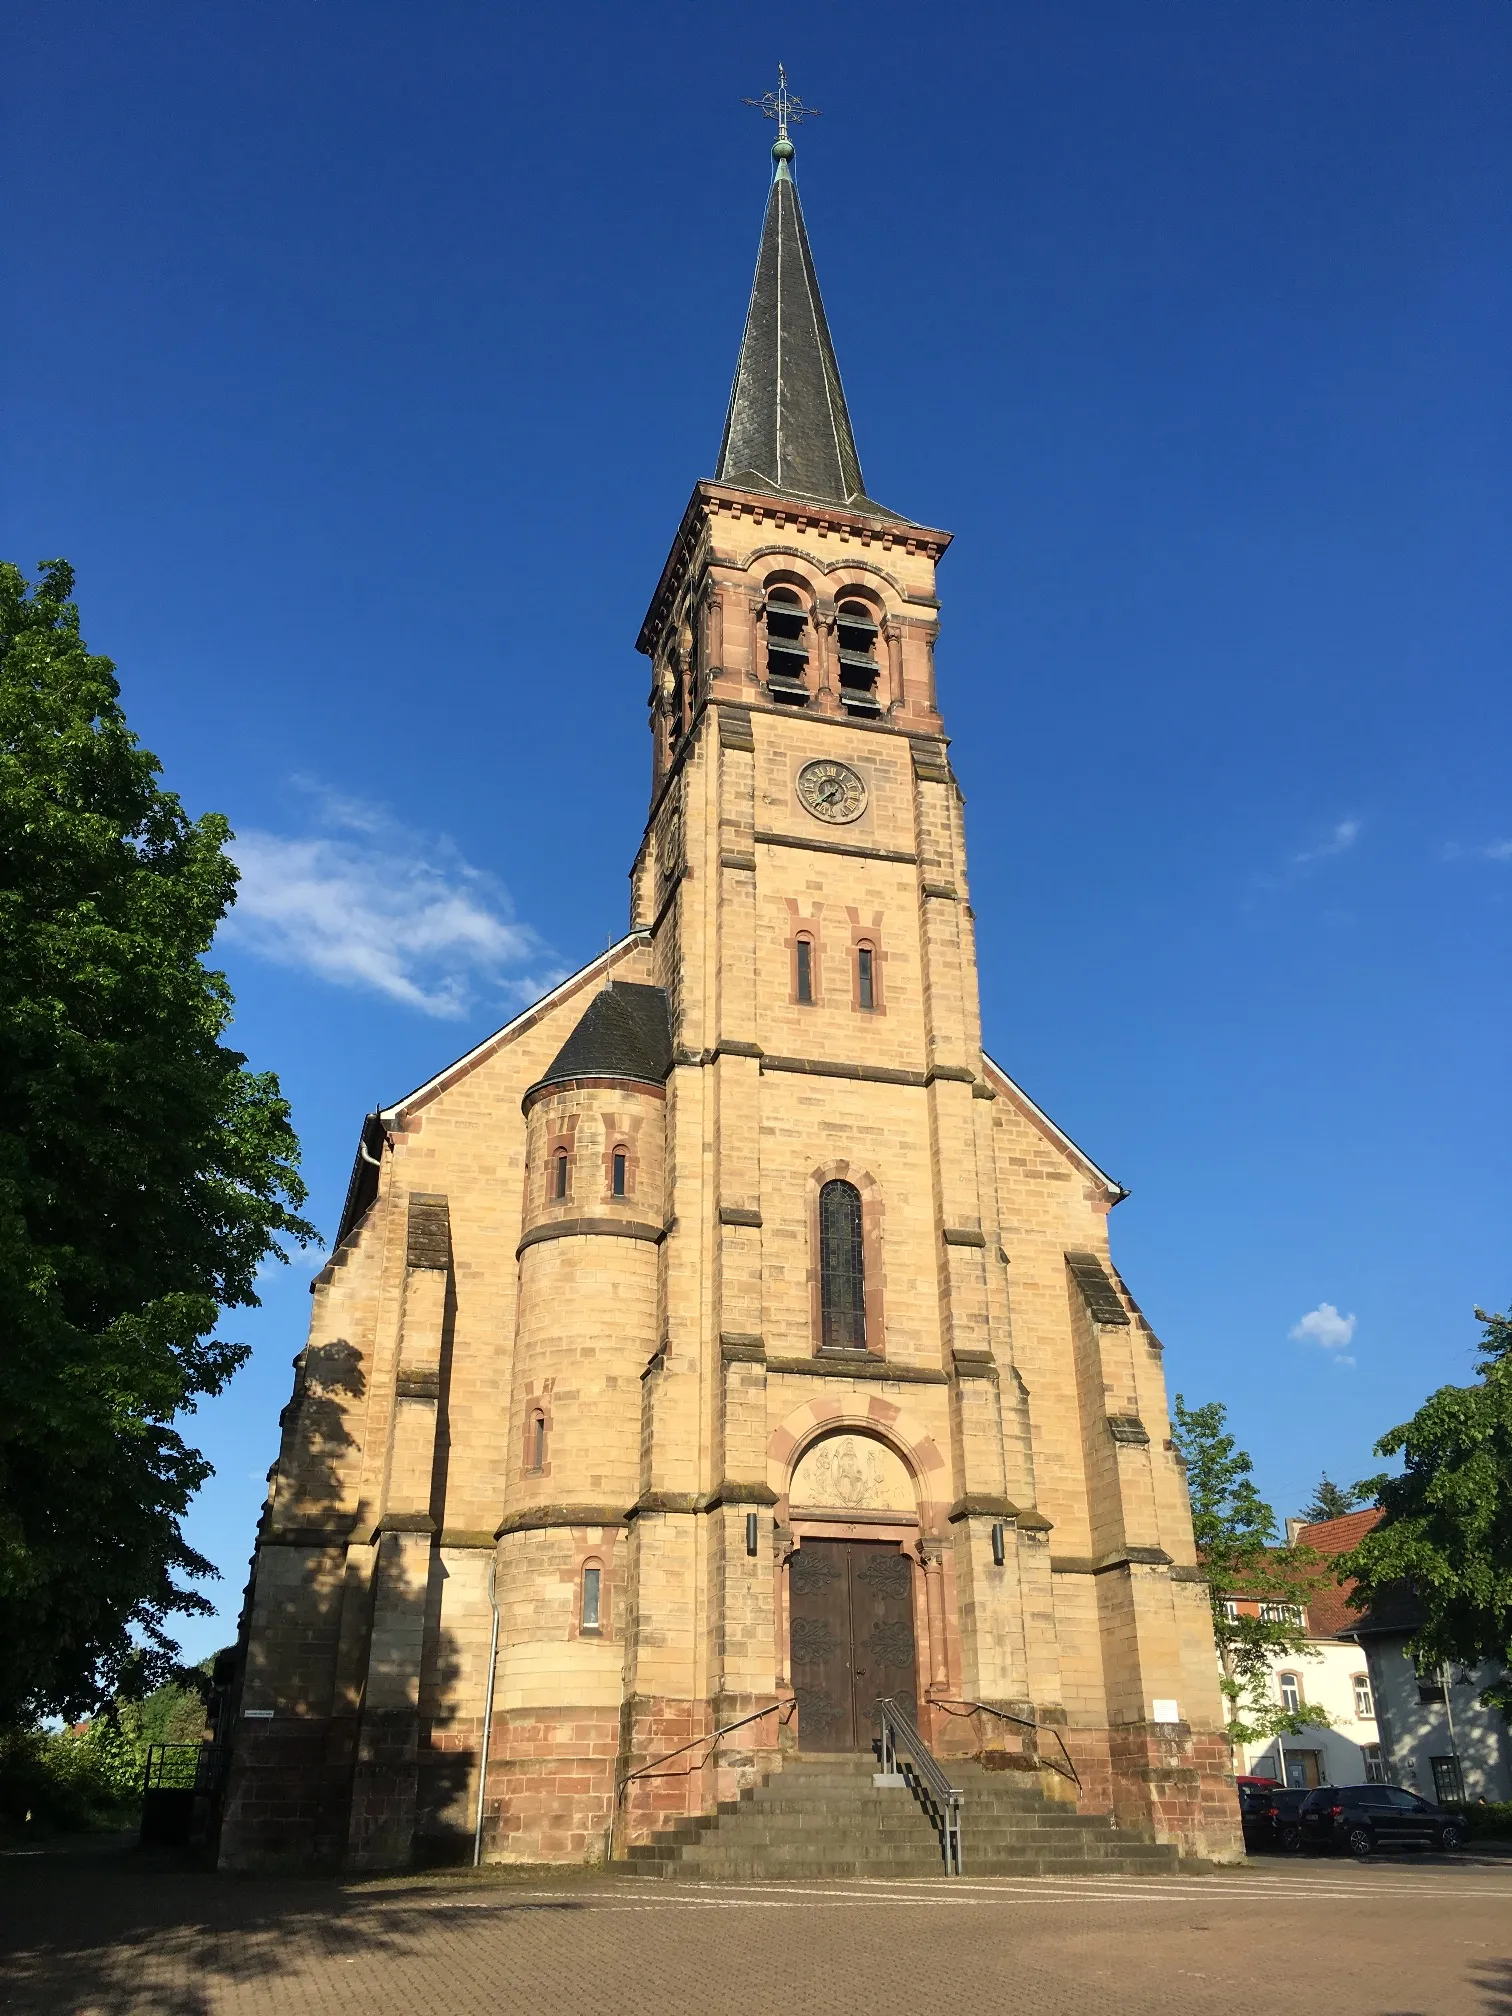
[[1238, 1545], [1333, 1501], [145, 1173], [1446, 1526]]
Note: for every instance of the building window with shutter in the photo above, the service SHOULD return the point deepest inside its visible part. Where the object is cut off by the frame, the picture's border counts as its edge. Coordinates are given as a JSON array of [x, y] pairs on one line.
[[842, 1270]]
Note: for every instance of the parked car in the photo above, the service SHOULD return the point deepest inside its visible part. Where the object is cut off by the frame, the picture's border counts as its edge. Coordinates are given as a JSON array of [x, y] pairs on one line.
[[1271, 1817], [1363, 1818]]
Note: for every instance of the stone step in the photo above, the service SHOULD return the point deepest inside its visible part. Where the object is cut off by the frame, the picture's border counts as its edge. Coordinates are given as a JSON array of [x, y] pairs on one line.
[[824, 1817], [758, 1869]]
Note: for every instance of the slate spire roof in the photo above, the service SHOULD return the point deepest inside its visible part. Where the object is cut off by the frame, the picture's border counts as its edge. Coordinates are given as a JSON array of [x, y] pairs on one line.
[[625, 1033], [788, 431]]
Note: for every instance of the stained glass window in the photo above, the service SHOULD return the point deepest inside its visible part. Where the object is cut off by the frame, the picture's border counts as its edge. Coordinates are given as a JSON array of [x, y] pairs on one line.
[[842, 1277]]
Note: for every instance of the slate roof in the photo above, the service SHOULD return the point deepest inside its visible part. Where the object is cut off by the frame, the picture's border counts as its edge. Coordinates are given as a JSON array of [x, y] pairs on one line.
[[788, 431], [624, 1033]]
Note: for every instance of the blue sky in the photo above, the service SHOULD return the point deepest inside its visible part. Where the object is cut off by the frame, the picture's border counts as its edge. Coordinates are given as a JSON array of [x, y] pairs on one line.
[[361, 358]]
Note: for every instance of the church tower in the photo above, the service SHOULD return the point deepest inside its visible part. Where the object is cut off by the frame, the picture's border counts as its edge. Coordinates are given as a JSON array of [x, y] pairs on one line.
[[728, 1340]]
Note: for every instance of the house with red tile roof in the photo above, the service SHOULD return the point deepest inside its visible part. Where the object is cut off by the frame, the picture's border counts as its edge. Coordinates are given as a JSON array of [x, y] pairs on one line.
[[1432, 1733]]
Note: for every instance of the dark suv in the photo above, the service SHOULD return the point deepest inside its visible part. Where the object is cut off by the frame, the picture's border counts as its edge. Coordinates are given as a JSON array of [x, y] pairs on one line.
[[1363, 1818], [1271, 1817]]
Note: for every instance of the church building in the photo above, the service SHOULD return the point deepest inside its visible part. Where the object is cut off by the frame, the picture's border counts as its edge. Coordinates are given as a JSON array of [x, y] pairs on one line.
[[728, 1343]]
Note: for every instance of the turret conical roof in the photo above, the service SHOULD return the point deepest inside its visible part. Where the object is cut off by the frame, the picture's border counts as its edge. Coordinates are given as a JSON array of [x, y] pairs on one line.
[[788, 431]]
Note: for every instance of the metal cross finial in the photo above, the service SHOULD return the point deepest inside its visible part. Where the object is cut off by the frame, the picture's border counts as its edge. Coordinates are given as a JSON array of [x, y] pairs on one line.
[[783, 105]]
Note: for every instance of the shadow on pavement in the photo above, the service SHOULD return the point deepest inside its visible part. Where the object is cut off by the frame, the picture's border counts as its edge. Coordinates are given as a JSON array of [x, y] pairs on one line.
[[113, 1927]]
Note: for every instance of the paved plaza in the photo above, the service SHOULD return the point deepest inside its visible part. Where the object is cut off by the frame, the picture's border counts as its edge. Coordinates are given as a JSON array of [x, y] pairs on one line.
[[110, 1932]]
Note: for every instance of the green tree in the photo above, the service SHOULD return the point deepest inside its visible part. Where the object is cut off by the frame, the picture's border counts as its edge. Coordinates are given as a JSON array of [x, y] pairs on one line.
[[1237, 1544], [1446, 1525], [1332, 1501], [145, 1173]]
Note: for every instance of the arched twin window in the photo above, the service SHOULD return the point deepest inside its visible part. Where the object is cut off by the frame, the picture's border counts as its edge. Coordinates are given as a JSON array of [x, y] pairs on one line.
[[842, 1269]]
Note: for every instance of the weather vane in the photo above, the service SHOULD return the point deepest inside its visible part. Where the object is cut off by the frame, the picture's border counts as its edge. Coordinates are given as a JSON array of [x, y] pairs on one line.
[[784, 106]]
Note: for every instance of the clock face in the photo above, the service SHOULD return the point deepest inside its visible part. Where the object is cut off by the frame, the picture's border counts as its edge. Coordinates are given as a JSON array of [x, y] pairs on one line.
[[832, 791]]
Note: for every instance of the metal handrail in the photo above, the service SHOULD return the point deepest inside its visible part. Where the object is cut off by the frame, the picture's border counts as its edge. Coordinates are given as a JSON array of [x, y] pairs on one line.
[[900, 1732], [712, 1737], [1067, 1770]]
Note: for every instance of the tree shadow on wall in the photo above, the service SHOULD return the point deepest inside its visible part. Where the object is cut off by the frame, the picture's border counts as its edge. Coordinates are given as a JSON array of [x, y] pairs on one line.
[[328, 1382], [129, 1930]]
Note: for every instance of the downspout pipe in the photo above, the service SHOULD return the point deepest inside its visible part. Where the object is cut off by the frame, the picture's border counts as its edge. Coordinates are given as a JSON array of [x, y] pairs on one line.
[[488, 1701]]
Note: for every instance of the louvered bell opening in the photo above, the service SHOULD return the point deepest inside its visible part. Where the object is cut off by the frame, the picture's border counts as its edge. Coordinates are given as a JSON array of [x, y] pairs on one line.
[[842, 1277], [857, 637], [787, 653]]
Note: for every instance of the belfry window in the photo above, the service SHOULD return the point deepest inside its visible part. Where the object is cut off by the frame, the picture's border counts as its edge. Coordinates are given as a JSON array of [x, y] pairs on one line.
[[787, 650], [842, 1274], [559, 1174], [618, 1167], [857, 632], [804, 986], [866, 977]]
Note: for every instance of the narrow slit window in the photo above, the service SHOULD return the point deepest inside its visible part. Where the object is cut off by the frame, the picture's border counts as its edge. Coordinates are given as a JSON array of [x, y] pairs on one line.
[[591, 1598], [538, 1440], [806, 972], [866, 993], [559, 1175], [842, 1278], [618, 1169]]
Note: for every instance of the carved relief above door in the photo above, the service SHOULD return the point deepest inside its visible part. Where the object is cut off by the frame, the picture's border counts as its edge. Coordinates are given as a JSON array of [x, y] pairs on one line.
[[851, 1473]]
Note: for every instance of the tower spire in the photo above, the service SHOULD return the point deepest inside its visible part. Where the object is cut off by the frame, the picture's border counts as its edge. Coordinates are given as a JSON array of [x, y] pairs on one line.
[[788, 430]]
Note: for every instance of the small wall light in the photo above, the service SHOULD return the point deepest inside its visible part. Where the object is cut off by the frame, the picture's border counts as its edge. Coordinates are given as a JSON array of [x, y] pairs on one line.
[[753, 1532], [999, 1544]]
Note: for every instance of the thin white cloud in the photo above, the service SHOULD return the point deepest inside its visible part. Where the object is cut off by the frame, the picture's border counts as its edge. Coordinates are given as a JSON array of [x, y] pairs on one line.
[[1492, 850], [1326, 1328], [1339, 839], [365, 901]]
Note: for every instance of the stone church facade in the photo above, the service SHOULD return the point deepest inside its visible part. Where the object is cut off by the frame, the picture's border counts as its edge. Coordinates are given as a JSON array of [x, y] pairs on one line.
[[729, 1339]]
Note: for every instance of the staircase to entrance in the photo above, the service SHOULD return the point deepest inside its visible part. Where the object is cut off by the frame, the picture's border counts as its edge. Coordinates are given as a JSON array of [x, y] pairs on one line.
[[824, 1816]]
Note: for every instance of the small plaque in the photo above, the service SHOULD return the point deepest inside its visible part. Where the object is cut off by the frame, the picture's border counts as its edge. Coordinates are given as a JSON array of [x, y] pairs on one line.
[[1165, 1711]]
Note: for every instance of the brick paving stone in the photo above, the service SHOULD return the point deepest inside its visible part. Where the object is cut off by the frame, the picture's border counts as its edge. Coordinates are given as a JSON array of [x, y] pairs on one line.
[[123, 1935]]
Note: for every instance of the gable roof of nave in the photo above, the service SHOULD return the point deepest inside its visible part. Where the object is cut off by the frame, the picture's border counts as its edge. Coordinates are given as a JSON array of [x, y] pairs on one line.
[[363, 1185], [1001, 1083], [597, 971]]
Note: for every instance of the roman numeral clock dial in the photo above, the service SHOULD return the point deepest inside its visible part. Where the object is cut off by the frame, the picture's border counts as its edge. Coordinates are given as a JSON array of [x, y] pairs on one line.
[[831, 791]]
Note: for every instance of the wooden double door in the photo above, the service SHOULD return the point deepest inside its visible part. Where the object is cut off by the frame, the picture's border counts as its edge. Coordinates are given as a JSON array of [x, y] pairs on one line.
[[851, 1639]]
